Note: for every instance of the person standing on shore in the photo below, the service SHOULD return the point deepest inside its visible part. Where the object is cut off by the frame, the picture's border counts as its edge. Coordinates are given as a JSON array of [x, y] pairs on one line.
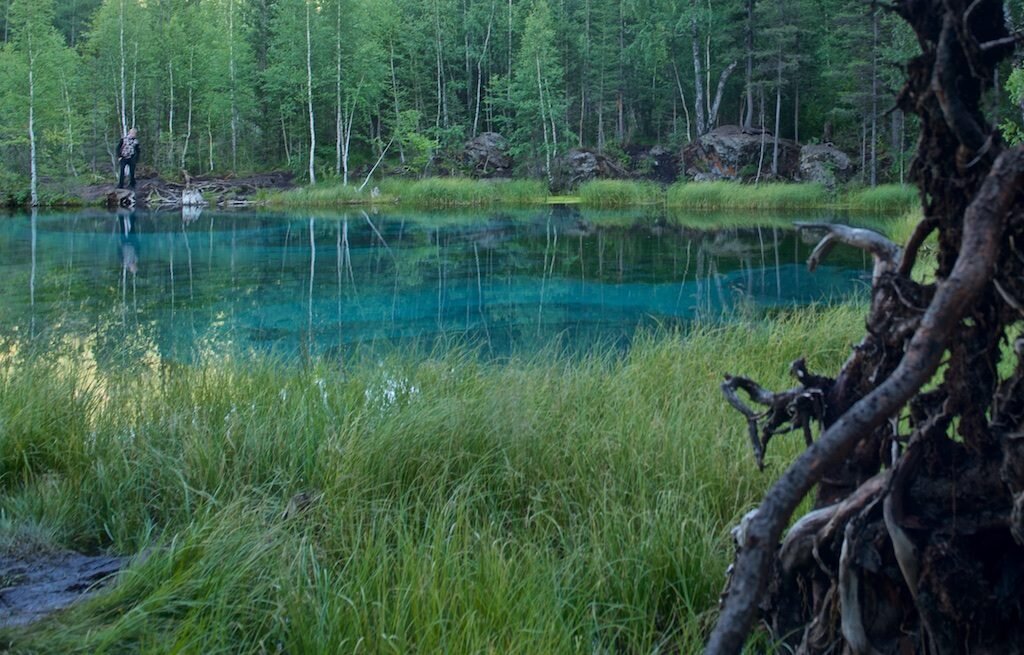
[[127, 157]]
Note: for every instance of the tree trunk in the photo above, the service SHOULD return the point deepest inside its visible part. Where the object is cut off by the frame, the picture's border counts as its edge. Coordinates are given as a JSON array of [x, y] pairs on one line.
[[68, 116], [778, 116], [698, 79], [874, 97], [33, 175], [722, 80], [916, 536], [748, 43], [309, 98], [544, 123], [479, 68], [337, 94], [682, 99], [394, 91], [124, 83], [188, 122], [231, 75]]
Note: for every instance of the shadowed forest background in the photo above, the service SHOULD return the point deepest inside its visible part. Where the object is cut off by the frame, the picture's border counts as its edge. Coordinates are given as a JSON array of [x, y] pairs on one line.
[[242, 85]]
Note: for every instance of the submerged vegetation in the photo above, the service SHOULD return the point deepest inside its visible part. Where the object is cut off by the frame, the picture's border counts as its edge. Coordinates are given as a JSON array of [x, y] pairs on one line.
[[546, 504]]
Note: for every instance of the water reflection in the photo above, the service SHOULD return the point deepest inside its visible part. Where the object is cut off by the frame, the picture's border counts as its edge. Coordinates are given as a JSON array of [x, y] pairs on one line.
[[191, 282]]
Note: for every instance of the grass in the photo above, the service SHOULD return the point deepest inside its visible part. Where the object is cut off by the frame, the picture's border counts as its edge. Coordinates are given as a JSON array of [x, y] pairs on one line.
[[323, 195], [891, 199], [431, 192], [462, 192], [716, 196], [618, 193], [536, 505]]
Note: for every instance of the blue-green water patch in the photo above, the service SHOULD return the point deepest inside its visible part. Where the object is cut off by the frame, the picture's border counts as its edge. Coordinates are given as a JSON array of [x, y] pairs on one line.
[[178, 286]]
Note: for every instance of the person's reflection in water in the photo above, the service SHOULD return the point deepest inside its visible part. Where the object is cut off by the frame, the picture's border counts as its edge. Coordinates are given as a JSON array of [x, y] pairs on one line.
[[129, 245]]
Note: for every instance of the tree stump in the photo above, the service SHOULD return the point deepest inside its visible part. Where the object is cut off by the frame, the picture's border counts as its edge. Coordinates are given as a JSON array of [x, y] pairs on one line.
[[121, 198]]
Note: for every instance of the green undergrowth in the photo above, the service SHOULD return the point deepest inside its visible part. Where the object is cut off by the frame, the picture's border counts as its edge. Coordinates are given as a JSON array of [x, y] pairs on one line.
[[715, 196], [883, 199], [431, 192], [547, 504], [441, 192], [618, 193]]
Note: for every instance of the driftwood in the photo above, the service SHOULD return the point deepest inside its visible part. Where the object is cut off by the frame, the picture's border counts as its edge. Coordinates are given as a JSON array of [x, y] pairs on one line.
[[201, 193], [123, 198], [916, 540]]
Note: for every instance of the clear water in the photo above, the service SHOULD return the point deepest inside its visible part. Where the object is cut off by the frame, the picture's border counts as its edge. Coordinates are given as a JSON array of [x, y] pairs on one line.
[[180, 286]]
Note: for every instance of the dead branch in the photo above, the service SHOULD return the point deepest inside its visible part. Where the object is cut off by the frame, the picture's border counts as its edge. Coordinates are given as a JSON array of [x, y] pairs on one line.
[[886, 254]]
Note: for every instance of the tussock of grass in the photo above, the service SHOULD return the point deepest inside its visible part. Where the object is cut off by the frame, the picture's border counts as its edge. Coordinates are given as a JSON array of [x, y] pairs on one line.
[[534, 505], [884, 199], [734, 195], [618, 193], [321, 195], [455, 192]]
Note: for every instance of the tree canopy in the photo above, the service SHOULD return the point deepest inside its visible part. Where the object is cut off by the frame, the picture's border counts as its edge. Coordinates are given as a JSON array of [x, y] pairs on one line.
[[221, 85]]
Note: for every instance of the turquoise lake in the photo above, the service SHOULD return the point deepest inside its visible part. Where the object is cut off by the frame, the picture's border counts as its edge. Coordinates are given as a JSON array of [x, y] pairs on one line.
[[182, 286]]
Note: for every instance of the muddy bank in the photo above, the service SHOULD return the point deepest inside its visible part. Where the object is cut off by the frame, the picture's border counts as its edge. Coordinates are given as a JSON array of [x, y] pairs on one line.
[[33, 586]]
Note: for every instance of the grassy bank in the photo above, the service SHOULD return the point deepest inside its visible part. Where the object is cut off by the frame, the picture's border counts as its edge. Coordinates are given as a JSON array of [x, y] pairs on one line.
[[431, 192], [716, 196], [699, 196], [539, 505]]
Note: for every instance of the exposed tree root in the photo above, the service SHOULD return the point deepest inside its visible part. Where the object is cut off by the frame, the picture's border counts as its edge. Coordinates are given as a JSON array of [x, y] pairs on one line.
[[916, 542]]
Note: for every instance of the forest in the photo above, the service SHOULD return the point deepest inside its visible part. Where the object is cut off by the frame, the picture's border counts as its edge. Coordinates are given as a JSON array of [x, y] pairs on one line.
[[326, 88]]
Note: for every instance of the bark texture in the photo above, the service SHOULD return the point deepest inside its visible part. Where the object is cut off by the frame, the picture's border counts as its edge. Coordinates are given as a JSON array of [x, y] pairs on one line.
[[915, 541]]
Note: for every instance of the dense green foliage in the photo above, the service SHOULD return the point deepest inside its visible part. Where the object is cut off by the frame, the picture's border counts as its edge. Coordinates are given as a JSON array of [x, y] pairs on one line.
[[551, 504], [238, 85]]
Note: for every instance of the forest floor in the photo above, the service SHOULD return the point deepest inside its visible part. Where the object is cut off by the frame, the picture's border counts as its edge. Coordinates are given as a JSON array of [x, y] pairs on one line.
[[221, 191]]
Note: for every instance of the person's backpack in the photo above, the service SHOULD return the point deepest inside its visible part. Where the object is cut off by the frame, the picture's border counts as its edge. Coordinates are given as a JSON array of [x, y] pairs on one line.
[[128, 145]]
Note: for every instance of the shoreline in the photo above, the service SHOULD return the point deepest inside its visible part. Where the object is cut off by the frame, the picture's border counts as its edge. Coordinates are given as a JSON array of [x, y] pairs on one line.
[[277, 191]]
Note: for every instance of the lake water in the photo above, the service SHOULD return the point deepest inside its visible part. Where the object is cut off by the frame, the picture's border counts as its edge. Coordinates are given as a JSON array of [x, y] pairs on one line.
[[181, 286]]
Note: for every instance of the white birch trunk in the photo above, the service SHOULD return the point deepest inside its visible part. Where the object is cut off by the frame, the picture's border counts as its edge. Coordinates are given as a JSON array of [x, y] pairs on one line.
[[544, 123], [394, 91], [778, 116], [698, 79], [722, 80], [34, 180], [170, 114], [682, 99], [188, 123], [337, 98], [231, 75], [124, 84], [309, 97], [68, 114], [135, 77]]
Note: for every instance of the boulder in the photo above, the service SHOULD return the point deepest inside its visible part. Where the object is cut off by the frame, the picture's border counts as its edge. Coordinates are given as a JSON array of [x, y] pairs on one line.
[[657, 163], [581, 165], [728, 153], [486, 155], [825, 164]]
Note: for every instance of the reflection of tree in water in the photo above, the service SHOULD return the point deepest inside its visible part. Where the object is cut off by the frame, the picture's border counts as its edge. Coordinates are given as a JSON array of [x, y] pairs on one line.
[[262, 281]]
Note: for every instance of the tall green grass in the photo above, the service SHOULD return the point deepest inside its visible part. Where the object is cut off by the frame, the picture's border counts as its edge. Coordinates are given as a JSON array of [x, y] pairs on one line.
[[322, 195], [536, 505], [884, 199], [715, 196], [455, 192], [618, 193]]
